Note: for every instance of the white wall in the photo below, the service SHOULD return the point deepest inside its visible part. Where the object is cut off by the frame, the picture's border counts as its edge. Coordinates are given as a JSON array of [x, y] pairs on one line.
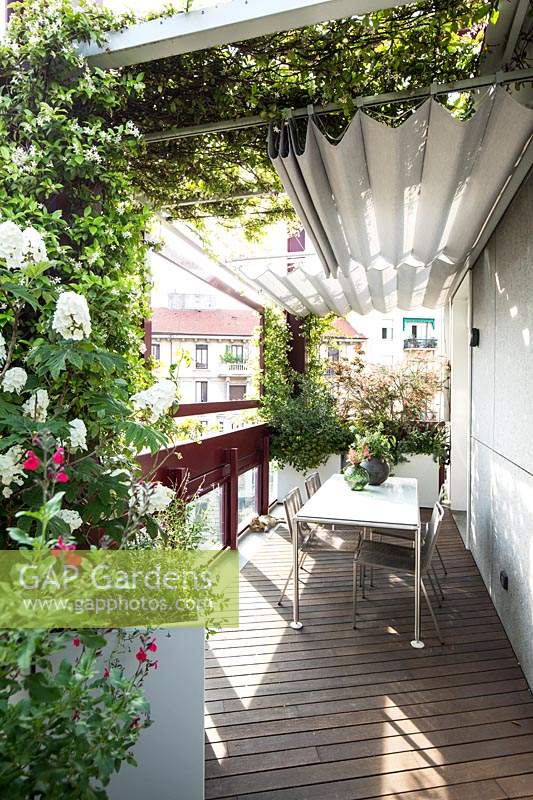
[[501, 528], [460, 397], [170, 753]]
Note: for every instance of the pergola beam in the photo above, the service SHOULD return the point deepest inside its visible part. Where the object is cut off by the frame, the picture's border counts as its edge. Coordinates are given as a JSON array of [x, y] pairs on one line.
[[212, 27], [368, 101]]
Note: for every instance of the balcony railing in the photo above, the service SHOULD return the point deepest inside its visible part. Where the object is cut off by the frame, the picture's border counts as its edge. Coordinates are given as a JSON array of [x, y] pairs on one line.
[[419, 344], [234, 367]]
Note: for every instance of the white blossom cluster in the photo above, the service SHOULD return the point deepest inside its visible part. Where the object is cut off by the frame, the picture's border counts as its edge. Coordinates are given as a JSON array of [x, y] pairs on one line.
[[158, 398], [71, 316], [17, 245], [14, 380], [3, 351], [72, 518], [149, 498], [36, 406], [78, 434], [11, 470]]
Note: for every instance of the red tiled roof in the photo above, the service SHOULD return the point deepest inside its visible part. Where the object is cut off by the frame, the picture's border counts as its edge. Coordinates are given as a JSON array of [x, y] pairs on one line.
[[344, 329], [210, 322]]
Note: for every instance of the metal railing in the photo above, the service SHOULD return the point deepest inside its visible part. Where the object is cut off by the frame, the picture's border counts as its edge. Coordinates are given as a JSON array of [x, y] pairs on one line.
[[419, 344]]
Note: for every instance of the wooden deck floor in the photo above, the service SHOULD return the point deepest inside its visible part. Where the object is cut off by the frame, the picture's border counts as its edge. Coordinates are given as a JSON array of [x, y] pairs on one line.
[[329, 713]]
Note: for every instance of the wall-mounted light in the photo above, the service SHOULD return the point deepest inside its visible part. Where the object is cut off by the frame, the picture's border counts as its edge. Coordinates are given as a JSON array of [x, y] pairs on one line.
[[474, 337]]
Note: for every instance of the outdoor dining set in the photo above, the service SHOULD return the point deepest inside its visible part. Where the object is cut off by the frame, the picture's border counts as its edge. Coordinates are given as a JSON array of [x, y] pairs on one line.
[[372, 518]]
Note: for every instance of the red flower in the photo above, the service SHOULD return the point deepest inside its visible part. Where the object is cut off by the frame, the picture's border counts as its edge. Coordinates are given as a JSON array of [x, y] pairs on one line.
[[59, 456], [152, 647], [136, 722], [62, 476], [76, 641], [32, 461], [76, 715], [106, 672], [140, 655]]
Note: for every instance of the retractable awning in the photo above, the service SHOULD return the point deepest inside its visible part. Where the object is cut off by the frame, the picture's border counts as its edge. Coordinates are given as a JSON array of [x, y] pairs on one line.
[[393, 213]]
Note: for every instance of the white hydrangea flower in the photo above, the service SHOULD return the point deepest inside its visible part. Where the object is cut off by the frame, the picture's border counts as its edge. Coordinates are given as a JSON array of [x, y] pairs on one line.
[[11, 244], [78, 434], [14, 380], [11, 470], [3, 350], [72, 518], [158, 398], [149, 498], [36, 406], [33, 245], [71, 316]]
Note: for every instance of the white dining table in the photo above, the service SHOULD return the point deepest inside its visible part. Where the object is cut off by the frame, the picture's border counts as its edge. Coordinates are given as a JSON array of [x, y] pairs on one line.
[[393, 505]]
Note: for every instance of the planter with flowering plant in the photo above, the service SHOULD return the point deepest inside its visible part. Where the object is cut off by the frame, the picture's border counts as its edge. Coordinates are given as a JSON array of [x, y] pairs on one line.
[[371, 451]]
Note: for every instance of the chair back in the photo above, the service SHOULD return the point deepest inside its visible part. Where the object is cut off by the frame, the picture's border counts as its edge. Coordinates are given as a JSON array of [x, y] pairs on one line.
[[292, 504], [312, 484], [432, 533]]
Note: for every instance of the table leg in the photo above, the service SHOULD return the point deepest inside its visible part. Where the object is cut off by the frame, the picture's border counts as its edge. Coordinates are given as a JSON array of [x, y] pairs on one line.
[[296, 624], [418, 548]]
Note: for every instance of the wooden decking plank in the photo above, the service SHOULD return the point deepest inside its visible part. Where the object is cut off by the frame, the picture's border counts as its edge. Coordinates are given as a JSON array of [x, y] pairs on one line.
[[331, 734], [412, 761], [241, 731], [332, 713]]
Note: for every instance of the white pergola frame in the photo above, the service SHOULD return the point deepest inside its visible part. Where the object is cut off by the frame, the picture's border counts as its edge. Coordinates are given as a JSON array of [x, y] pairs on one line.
[[235, 21]]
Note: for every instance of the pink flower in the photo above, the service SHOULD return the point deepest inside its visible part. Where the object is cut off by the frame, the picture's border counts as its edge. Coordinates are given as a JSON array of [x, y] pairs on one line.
[[152, 647], [140, 655], [76, 641], [366, 452], [62, 476], [62, 546], [59, 456], [32, 462]]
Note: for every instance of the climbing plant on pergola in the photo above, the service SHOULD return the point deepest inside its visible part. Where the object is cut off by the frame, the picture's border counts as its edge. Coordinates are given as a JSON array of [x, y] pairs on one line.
[[390, 50]]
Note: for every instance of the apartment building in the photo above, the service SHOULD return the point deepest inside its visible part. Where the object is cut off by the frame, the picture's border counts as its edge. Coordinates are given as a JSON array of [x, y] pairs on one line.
[[213, 347]]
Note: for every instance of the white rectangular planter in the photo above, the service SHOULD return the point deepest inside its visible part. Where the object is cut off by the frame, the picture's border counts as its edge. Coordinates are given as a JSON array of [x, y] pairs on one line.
[[289, 478], [170, 754], [426, 471]]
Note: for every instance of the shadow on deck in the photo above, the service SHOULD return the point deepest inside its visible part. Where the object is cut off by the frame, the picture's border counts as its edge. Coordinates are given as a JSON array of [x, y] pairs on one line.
[[329, 713]]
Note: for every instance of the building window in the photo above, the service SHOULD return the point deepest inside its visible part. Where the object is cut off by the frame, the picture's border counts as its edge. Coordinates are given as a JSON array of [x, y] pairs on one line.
[[333, 353], [201, 391], [201, 356], [237, 391], [236, 352], [156, 351], [387, 330]]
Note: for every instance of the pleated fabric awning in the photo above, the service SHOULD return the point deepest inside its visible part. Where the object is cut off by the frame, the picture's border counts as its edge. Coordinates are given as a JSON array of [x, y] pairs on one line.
[[392, 212]]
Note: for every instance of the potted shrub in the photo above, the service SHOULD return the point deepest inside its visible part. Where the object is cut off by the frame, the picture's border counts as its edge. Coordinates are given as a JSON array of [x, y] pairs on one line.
[[396, 402]]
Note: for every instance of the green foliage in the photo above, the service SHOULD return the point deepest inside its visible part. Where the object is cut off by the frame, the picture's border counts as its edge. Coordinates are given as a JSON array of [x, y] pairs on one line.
[[300, 409], [372, 444], [392, 401], [182, 525], [68, 723], [384, 51], [66, 150]]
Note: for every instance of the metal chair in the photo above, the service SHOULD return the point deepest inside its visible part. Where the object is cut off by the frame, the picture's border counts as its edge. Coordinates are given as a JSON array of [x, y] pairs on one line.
[[312, 484], [292, 504], [398, 558]]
